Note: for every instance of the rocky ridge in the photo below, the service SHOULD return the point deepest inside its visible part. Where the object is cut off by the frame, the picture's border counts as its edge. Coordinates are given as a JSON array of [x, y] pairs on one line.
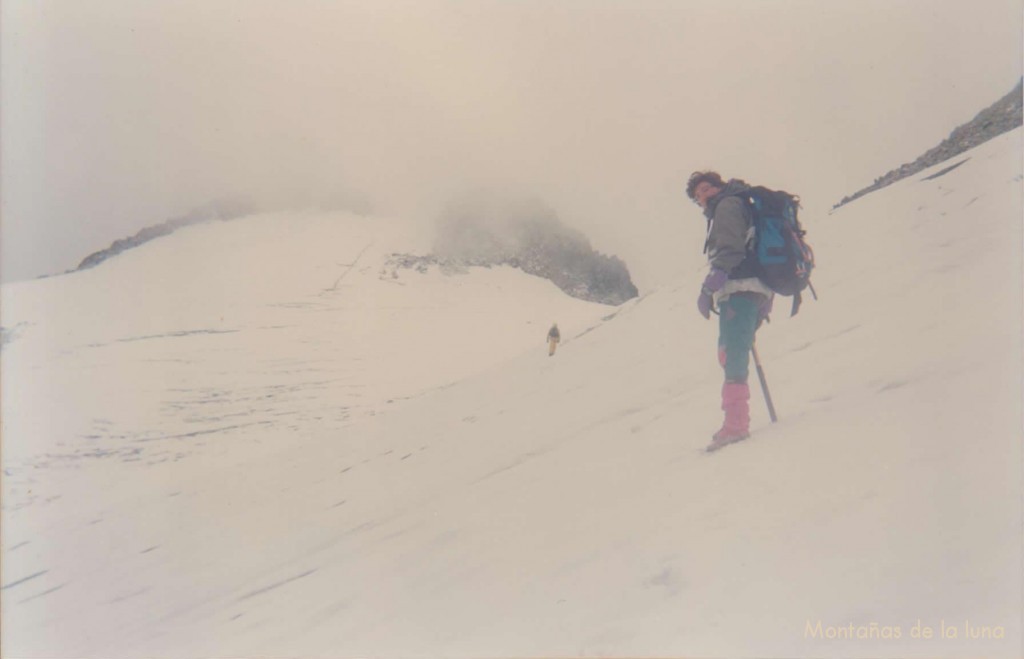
[[529, 237], [211, 212], [1002, 116], [482, 232], [566, 260]]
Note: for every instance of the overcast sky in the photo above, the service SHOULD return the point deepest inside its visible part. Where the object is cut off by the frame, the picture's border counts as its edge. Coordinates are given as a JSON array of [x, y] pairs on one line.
[[120, 114]]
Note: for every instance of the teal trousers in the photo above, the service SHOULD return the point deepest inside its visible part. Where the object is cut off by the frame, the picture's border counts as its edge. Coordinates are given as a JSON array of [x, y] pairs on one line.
[[737, 324]]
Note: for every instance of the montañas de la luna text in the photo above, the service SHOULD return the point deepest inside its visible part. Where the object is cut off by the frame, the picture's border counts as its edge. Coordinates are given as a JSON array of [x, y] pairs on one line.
[[875, 631]]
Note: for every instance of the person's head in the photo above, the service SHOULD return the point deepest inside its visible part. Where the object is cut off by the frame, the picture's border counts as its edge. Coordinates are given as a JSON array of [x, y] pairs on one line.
[[703, 186]]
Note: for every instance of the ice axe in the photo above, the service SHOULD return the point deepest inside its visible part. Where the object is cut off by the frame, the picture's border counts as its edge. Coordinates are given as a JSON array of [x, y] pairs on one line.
[[764, 384]]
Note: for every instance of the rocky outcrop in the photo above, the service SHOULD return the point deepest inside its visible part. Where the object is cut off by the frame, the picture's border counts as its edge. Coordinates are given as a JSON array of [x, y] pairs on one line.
[[530, 238], [567, 259], [1002, 116], [211, 212]]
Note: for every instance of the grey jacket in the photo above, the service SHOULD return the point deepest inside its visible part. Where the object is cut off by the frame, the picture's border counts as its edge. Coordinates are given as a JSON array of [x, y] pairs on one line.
[[730, 232]]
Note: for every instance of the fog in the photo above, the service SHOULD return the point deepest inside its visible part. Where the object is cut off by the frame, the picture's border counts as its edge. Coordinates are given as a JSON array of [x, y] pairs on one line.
[[120, 114]]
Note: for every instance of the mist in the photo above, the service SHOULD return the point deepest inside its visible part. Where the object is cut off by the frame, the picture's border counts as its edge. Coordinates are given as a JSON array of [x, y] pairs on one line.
[[118, 114]]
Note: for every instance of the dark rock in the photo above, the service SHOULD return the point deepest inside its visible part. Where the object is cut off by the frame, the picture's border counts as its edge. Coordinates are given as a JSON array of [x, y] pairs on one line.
[[1002, 116], [208, 213], [528, 237]]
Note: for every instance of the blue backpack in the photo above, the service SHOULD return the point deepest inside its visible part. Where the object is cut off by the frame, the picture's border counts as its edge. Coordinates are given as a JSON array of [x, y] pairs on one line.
[[782, 258]]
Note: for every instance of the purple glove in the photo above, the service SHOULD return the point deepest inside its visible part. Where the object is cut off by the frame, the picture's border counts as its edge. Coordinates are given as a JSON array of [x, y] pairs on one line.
[[713, 282]]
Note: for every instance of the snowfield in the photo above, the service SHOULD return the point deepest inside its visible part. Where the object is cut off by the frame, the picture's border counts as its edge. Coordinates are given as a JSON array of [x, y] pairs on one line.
[[255, 438]]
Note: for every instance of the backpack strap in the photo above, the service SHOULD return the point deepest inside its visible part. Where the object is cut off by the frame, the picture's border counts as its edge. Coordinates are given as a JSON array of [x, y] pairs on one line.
[[797, 301]]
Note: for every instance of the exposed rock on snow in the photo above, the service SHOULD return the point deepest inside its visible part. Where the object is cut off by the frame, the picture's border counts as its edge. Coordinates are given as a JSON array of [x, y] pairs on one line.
[[1002, 116], [529, 237], [208, 213]]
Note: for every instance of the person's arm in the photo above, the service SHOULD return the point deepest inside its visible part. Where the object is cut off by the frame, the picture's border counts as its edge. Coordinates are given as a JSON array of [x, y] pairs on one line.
[[727, 247], [727, 242]]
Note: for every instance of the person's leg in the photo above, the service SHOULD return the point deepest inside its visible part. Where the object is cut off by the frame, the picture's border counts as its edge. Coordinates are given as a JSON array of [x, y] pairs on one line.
[[737, 325]]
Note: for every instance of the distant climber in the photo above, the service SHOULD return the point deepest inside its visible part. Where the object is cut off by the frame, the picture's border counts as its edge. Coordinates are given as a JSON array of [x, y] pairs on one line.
[[554, 336]]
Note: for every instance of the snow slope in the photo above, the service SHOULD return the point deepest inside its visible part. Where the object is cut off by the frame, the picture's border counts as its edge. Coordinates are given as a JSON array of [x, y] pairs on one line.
[[394, 467]]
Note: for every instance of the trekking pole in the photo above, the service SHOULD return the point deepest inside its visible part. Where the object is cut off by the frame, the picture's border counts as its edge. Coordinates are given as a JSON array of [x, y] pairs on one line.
[[764, 384]]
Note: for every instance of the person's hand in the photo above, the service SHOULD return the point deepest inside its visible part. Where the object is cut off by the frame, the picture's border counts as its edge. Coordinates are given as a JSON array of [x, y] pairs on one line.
[[712, 283], [704, 303]]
